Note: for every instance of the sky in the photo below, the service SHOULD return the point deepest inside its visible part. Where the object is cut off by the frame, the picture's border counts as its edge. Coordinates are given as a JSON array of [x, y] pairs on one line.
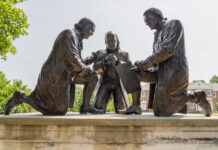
[[47, 18]]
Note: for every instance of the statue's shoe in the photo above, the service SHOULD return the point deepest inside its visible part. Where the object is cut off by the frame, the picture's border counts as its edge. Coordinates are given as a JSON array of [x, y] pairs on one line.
[[84, 109], [13, 102], [203, 103], [134, 109]]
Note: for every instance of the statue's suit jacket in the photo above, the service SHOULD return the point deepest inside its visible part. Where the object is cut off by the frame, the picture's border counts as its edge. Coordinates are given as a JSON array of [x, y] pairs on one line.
[[172, 69], [52, 91]]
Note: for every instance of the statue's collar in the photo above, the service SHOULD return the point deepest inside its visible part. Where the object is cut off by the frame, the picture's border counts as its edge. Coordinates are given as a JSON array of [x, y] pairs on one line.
[[78, 34], [112, 51]]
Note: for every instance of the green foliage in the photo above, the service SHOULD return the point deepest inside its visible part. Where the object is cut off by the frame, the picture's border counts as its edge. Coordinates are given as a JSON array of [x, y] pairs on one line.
[[198, 81], [7, 90], [78, 100], [14, 1], [110, 106], [214, 79], [13, 24], [130, 98]]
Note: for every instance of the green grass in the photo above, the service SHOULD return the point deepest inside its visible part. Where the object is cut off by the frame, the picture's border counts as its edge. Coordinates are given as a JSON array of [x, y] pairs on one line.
[[215, 114]]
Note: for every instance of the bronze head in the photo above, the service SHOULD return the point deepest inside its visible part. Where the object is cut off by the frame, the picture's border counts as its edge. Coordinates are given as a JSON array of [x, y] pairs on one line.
[[153, 17], [86, 27], [111, 40]]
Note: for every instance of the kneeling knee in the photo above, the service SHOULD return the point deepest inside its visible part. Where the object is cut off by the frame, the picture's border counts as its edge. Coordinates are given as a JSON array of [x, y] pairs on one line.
[[162, 113]]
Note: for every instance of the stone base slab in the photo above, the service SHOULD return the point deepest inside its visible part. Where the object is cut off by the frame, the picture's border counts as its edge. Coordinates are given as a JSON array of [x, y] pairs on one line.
[[73, 131]]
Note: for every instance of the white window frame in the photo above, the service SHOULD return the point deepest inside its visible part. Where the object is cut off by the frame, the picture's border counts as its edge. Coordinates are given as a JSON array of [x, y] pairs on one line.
[[144, 107], [209, 91], [210, 102], [198, 108], [192, 106], [214, 94], [143, 94]]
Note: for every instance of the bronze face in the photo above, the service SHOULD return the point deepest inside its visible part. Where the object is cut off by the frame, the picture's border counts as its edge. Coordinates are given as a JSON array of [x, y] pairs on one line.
[[88, 31], [111, 41], [151, 21]]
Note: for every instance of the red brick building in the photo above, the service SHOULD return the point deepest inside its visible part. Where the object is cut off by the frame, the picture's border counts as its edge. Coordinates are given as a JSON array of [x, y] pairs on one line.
[[144, 97], [211, 90]]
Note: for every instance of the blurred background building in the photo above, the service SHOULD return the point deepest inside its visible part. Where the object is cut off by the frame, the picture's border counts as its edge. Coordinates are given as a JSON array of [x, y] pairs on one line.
[[211, 90]]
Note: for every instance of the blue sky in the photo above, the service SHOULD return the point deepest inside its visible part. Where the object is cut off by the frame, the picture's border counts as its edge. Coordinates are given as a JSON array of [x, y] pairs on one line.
[[47, 18]]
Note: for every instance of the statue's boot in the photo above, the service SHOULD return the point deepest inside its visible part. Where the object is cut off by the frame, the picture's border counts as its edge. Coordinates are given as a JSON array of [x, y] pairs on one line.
[[203, 103], [84, 109], [123, 111], [87, 93], [134, 109], [14, 101], [199, 98], [183, 110]]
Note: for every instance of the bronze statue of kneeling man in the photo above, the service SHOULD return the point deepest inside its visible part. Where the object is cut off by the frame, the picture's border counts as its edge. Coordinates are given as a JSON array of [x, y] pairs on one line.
[[54, 92], [110, 84], [167, 69]]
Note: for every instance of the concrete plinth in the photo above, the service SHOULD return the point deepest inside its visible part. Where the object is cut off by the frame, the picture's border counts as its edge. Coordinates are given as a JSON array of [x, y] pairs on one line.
[[108, 132]]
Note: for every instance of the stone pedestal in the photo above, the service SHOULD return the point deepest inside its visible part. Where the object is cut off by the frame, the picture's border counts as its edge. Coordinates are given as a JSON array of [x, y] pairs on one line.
[[108, 132]]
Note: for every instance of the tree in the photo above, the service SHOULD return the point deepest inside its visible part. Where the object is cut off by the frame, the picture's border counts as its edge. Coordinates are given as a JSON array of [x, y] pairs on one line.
[[198, 81], [13, 1], [214, 79], [16, 1], [77, 100], [7, 90], [13, 24]]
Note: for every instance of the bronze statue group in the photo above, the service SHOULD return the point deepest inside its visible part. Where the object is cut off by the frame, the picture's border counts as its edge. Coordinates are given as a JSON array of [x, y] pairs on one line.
[[166, 70]]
